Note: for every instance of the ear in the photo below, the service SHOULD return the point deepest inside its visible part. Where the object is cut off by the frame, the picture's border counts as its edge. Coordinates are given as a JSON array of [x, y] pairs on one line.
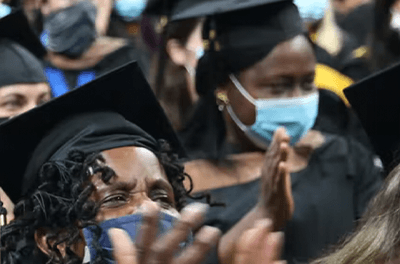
[[176, 52], [46, 245]]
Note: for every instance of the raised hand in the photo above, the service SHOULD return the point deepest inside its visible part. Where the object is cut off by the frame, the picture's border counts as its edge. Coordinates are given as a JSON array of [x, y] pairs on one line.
[[276, 192], [149, 250], [259, 246]]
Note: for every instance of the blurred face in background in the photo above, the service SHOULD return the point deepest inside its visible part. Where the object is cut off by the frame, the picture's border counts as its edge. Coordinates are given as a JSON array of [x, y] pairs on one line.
[[346, 6], [19, 98], [69, 26], [49, 6], [187, 55]]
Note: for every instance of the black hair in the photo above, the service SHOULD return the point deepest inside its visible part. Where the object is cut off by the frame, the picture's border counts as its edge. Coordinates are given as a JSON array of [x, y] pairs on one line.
[[168, 79], [61, 207]]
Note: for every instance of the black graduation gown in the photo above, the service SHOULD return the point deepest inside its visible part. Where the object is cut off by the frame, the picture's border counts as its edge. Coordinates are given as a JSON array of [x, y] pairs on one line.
[[329, 195]]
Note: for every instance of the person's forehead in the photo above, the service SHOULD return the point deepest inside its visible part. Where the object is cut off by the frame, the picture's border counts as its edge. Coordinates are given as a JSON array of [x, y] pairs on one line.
[[279, 62], [25, 89], [133, 162]]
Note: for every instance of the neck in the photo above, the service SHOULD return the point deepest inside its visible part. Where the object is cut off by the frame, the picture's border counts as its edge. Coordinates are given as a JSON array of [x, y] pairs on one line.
[[100, 48]]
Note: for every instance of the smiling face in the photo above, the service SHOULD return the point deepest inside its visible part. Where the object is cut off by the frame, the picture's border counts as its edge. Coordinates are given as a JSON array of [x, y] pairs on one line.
[[19, 98], [139, 183]]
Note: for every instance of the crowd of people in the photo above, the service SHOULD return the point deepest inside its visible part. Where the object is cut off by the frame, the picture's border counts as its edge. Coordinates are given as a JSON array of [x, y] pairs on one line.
[[199, 131]]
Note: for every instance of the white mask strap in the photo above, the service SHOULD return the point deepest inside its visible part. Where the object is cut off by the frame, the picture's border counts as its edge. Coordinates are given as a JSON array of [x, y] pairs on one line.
[[241, 89], [86, 258]]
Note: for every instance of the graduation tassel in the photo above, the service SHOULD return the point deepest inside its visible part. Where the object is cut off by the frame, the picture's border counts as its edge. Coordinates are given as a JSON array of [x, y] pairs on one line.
[[3, 222], [3, 215]]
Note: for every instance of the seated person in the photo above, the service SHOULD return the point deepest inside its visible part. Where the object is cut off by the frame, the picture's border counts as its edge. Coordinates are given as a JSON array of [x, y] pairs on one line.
[[77, 53], [89, 168]]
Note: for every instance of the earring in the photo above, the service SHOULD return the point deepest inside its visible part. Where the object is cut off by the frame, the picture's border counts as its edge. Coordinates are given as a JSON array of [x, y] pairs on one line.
[[222, 100]]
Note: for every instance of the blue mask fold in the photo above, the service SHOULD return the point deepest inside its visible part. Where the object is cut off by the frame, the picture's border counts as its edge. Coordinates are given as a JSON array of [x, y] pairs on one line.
[[297, 115], [131, 224]]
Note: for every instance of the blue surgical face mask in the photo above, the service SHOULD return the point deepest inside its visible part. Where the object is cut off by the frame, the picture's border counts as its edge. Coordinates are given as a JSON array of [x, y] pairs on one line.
[[296, 114], [311, 10], [130, 10], [130, 224], [4, 10]]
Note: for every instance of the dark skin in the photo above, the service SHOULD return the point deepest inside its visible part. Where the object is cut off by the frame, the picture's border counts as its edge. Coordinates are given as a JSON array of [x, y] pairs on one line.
[[141, 185], [287, 71]]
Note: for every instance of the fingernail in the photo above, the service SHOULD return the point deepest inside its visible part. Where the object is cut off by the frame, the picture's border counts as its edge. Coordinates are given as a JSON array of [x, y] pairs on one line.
[[200, 208], [264, 223], [209, 235]]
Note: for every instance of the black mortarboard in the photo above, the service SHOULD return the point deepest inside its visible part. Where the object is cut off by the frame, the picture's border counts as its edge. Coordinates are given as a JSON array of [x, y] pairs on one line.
[[184, 9], [20, 51], [111, 111], [16, 27], [236, 39], [376, 102]]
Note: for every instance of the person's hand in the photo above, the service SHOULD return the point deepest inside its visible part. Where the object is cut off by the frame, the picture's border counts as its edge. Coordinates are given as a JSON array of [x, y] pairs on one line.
[[259, 246], [276, 192], [149, 250]]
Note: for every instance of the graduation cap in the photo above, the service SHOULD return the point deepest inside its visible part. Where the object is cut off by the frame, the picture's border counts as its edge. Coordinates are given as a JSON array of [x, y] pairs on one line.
[[16, 28], [111, 111], [185, 9], [20, 50], [376, 102]]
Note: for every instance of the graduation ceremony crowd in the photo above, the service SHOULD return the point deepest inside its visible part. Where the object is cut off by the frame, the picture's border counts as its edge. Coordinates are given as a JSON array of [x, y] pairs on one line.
[[200, 131]]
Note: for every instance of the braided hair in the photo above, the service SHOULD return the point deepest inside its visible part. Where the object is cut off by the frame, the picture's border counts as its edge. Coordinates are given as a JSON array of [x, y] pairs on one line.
[[61, 207]]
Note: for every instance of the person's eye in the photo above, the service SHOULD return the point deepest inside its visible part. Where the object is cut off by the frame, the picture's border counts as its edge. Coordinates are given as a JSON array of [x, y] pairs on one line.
[[279, 89], [115, 200], [162, 198], [43, 100], [308, 84], [12, 104]]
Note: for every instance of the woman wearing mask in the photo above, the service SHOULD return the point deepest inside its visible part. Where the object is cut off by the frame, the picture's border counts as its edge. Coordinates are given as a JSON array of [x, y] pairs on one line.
[[77, 53], [98, 170], [263, 71]]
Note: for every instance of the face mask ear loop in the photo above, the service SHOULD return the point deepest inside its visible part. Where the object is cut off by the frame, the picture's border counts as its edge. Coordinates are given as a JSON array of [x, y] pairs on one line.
[[241, 89], [235, 119]]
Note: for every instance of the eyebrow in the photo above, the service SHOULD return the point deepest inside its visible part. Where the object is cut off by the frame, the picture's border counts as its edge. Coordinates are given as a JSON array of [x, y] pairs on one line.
[[122, 186], [162, 184]]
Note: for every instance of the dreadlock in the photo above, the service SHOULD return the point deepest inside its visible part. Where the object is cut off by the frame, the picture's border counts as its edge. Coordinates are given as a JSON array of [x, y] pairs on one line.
[[61, 207]]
